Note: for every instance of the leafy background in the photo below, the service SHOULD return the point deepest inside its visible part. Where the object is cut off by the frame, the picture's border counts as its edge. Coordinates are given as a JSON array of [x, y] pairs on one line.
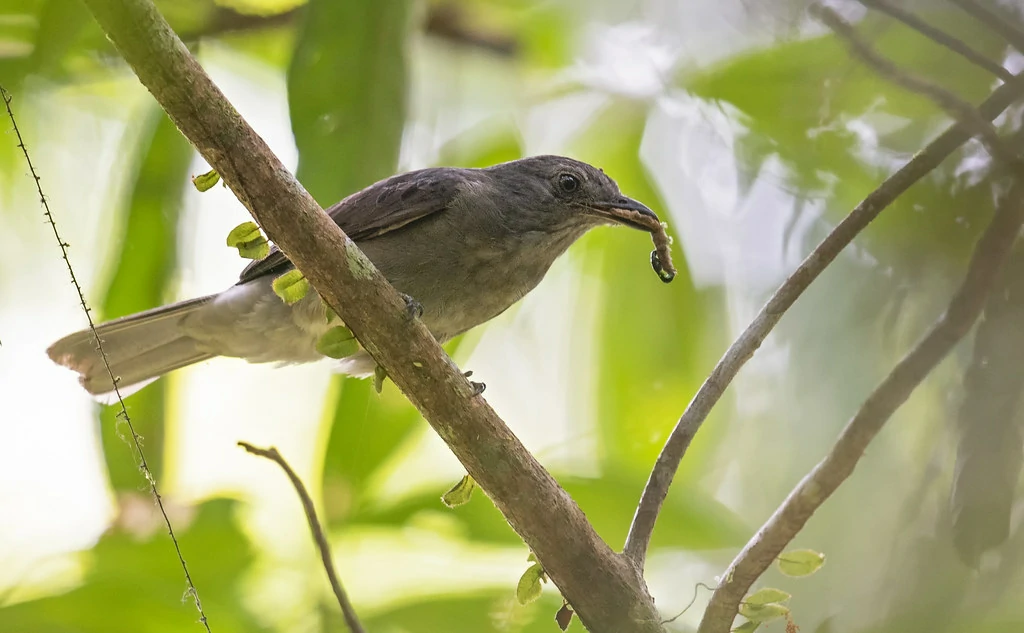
[[750, 131]]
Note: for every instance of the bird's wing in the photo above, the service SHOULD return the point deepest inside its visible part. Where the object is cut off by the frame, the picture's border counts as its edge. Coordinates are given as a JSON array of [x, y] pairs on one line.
[[388, 205]]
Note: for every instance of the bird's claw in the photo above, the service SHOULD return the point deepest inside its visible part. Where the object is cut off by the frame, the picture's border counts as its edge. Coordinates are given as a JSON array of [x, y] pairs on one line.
[[412, 307], [478, 387]]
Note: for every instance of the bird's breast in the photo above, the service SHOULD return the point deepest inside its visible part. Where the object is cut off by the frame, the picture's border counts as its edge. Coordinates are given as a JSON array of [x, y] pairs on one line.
[[461, 282]]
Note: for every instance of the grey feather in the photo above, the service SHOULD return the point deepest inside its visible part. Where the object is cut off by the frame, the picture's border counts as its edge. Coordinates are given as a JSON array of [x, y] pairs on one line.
[[385, 206]]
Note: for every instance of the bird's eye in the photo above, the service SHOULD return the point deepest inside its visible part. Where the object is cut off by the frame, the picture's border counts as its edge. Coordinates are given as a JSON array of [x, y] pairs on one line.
[[568, 183]]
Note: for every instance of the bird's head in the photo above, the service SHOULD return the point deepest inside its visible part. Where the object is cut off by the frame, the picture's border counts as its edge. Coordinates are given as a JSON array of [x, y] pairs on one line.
[[556, 194]]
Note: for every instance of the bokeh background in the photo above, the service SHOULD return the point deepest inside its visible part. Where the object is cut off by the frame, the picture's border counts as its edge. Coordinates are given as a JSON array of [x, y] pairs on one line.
[[748, 128]]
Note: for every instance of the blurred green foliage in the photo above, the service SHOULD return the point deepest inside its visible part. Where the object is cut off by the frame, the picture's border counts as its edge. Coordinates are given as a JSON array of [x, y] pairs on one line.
[[836, 128], [134, 581], [142, 278], [640, 398], [800, 101], [347, 93]]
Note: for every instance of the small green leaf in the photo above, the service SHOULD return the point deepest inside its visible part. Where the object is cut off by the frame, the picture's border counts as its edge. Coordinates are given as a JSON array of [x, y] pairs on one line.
[[205, 182], [801, 562], [460, 493], [256, 249], [529, 588], [249, 241], [747, 627], [763, 612], [291, 287], [337, 342], [244, 233], [767, 596], [329, 312], [532, 558]]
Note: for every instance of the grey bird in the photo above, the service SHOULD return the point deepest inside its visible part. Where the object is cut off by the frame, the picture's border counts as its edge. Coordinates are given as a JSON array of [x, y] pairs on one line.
[[463, 244]]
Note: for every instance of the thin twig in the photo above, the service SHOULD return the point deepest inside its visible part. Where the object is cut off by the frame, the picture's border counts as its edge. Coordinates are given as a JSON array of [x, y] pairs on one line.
[[956, 107], [993, 20], [987, 261], [123, 414], [785, 296], [318, 534], [939, 36], [690, 604]]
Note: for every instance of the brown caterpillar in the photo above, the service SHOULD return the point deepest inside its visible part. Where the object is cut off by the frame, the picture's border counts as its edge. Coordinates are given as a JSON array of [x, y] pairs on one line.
[[661, 256]]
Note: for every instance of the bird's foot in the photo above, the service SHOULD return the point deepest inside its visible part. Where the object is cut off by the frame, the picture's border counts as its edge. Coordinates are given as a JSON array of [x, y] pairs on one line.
[[478, 387], [412, 307]]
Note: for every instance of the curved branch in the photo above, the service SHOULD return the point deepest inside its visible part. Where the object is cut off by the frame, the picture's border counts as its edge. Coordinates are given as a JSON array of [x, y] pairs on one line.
[[750, 340], [988, 260], [347, 610], [602, 587], [990, 256]]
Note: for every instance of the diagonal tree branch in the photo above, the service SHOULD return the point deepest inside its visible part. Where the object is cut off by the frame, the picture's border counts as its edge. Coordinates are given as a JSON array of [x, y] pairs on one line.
[[993, 20], [810, 268], [988, 260], [956, 107], [602, 587], [990, 442], [347, 610], [939, 36], [990, 256]]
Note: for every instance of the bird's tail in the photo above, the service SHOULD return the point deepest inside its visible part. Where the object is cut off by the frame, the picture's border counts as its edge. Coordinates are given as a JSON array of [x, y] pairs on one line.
[[139, 349]]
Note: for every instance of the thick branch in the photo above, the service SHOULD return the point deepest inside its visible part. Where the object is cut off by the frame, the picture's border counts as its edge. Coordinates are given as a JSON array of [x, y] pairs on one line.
[[347, 610], [990, 256], [603, 588], [939, 36], [750, 340]]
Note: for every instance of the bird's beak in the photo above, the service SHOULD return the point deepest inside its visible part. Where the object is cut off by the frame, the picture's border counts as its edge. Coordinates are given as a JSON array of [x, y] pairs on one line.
[[626, 211]]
